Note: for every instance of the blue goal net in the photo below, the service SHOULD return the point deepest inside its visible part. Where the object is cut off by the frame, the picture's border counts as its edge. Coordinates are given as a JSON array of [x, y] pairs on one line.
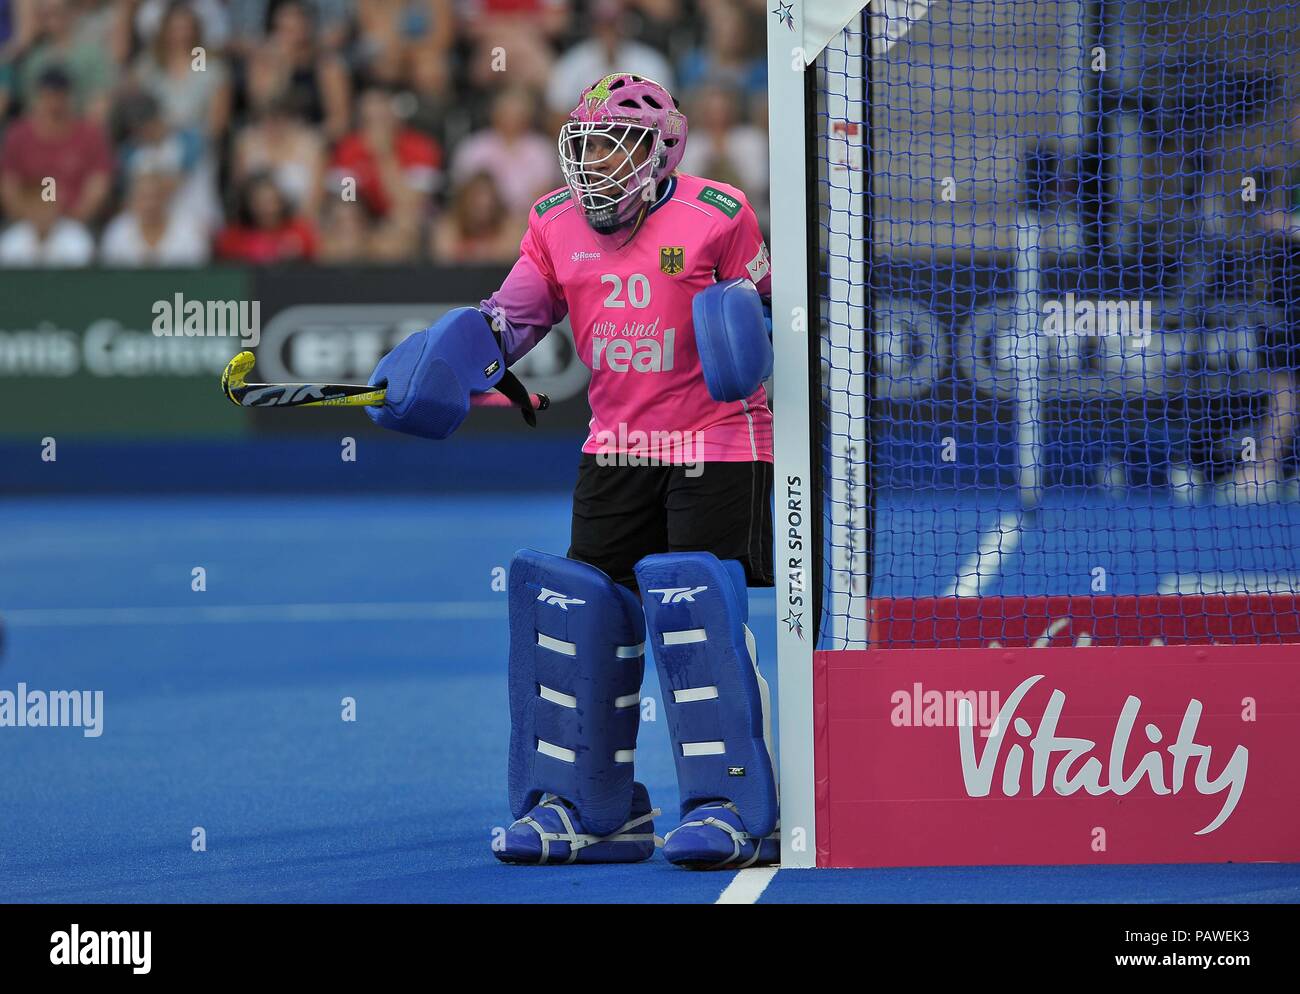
[[1055, 268]]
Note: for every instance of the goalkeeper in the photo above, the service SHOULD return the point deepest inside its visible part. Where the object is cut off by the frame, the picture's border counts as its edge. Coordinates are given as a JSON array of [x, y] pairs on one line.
[[665, 280]]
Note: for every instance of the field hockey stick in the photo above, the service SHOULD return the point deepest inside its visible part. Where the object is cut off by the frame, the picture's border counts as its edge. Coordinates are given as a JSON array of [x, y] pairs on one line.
[[243, 394]]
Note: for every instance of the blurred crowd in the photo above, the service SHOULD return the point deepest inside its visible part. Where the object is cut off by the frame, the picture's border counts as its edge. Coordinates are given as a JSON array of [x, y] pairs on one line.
[[178, 132]]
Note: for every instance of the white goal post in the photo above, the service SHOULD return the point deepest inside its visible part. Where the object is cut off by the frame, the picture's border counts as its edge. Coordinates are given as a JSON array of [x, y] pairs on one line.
[[797, 35]]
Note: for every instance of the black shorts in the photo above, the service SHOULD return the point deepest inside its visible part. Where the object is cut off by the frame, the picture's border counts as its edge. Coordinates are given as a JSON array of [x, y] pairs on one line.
[[623, 513]]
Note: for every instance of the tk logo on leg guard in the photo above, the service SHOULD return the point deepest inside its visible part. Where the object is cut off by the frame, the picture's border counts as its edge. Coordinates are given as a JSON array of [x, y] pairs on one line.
[[676, 595], [672, 259], [558, 600]]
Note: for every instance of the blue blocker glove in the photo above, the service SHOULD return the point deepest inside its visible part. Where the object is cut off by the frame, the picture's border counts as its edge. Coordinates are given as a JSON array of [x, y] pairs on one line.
[[431, 376]]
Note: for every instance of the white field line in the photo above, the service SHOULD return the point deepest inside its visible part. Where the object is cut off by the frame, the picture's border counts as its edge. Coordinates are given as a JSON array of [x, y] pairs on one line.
[[243, 613], [984, 566], [1228, 583], [221, 614], [747, 886]]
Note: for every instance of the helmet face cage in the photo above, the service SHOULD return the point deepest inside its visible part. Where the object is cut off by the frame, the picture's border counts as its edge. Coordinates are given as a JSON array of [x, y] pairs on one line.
[[588, 149]]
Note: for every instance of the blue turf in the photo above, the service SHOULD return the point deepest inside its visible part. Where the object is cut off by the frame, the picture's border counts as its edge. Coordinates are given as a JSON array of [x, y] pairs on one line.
[[233, 723]]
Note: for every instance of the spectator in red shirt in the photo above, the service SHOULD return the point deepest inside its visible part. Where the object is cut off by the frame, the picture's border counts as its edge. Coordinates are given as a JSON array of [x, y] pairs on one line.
[[394, 166], [266, 231], [52, 143]]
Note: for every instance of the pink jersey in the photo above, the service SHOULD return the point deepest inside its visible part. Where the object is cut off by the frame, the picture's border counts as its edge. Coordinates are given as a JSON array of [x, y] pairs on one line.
[[630, 308]]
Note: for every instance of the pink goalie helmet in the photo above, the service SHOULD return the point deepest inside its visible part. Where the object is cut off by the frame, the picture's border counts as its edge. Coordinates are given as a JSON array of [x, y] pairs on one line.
[[625, 135]]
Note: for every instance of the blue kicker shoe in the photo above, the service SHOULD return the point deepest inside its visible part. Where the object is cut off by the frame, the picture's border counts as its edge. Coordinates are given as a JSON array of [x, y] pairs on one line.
[[712, 837], [552, 833]]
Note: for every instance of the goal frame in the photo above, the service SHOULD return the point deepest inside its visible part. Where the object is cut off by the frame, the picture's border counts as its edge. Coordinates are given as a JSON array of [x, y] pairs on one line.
[[796, 51]]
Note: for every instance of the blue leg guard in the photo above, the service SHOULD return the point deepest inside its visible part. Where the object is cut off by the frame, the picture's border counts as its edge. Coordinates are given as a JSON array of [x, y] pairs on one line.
[[577, 656], [718, 710]]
